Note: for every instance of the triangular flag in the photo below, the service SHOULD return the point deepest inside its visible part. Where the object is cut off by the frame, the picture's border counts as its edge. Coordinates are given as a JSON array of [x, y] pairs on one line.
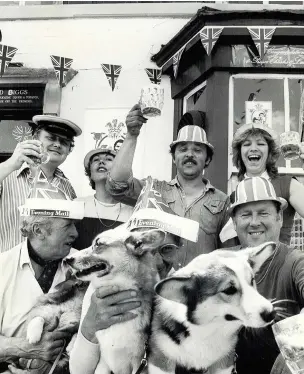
[[209, 36], [261, 37], [61, 66], [112, 73], [151, 211], [6, 55], [154, 75], [176, 60]]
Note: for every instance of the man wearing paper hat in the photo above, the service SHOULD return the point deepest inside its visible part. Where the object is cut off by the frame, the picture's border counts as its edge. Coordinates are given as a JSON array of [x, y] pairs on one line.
[[34, 267], [53, 139], [257, 218], [189, 195]]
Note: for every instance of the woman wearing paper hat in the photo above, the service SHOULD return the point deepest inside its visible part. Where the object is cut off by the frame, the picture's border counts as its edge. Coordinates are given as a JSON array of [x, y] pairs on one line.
[[255, 153], [102, 211]]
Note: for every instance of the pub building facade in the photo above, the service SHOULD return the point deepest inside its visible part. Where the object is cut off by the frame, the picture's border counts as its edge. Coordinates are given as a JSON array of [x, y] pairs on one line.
[[233, 85]]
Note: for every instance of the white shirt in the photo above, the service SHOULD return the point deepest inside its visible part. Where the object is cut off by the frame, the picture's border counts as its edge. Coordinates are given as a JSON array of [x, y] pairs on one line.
[[19, 289]]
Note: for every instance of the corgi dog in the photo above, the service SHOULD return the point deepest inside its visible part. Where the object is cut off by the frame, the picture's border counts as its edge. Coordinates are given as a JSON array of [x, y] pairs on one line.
[[126, 259], [200, 309]]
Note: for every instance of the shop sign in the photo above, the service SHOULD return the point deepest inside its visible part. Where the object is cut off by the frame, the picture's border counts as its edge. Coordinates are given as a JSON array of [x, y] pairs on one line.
[[276, 56], [21, 98]]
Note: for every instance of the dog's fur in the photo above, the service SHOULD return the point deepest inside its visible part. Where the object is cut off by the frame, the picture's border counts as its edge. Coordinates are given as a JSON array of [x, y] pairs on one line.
[[201, 308], [61, 309], [126, 259]]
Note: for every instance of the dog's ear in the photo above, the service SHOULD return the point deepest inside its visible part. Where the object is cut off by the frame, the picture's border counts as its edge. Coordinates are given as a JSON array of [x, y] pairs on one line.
[[258, 255], [174, 288], [140, 242]]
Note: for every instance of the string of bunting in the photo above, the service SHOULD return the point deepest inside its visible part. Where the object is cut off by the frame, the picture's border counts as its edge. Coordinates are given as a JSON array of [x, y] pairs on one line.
[[62, 65], [209, 35]]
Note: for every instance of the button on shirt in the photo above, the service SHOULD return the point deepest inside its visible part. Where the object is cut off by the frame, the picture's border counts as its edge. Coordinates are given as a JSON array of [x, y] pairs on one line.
[[209, 209], [19, 289], [14, 190]]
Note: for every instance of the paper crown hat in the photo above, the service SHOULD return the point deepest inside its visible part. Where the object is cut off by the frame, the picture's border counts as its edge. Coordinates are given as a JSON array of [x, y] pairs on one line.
[[152, 212], [46, 200], [192, 134], [255, 189]]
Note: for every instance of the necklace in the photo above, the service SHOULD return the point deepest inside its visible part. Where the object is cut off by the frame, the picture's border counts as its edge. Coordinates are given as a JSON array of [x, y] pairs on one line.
[[112, 224], [266, 272]]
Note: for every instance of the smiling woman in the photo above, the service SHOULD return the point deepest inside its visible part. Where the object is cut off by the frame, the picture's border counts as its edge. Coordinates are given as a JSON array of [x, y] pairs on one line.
[[255, 153], [102, 211]]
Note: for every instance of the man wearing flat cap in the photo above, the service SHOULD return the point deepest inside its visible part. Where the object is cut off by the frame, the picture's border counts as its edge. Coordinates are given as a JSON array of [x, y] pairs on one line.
[[52, 136], [189, 195]]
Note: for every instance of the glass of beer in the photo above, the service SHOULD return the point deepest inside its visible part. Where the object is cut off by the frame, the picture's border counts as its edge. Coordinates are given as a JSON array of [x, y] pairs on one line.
[[45, 156], [151, 100], [290, 145], [289, 335]]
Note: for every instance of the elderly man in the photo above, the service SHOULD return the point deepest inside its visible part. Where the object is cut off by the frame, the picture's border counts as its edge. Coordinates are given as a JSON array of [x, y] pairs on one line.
[[257, 217], [56, 136], [189, 195], [29, 270]]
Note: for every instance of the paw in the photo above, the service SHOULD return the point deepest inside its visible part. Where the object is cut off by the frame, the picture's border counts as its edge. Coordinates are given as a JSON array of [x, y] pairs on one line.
[[34, 330]]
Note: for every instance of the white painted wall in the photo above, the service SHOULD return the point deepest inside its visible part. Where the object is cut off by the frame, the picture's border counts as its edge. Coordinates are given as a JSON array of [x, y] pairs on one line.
[[129, 42]]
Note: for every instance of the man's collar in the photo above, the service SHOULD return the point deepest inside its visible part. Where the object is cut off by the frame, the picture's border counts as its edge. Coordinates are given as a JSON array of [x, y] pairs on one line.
[[24, 256], [208, 185], [57, 173]]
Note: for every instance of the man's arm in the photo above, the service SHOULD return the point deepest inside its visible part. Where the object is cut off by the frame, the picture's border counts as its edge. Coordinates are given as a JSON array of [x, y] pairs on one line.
[[21, 154], [120, 183]]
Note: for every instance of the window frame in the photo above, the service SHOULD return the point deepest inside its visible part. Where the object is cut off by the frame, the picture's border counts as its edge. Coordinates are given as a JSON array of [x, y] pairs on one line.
[[232, 170], [191, 93]]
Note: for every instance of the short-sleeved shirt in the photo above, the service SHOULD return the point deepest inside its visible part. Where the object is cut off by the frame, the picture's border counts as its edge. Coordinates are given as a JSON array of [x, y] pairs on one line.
[[209, 210], [281, 277], [19, 289], [14, 190]]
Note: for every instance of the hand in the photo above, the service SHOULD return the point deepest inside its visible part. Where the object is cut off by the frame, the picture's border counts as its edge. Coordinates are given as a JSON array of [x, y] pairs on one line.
[[22, 152], [50, 344], [109, 305], [135, 120], [33, 367]]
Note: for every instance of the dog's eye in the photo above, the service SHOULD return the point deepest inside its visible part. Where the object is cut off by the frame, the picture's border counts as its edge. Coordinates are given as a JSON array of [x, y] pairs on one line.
[[231, 290]]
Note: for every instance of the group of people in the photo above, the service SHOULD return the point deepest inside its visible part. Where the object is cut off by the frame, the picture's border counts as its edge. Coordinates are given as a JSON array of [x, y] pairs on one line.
[[261, 209]]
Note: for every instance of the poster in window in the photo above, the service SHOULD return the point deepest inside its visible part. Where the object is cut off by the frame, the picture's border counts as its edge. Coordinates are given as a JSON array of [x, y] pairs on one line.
[[259, 112]]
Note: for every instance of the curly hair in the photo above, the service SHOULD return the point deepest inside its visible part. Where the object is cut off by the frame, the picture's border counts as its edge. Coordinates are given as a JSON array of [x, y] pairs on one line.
[[87, 172], [273, 152], [27, 225]]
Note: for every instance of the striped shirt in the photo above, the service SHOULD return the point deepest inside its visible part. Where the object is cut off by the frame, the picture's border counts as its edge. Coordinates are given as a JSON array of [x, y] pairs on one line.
[[13, 192]]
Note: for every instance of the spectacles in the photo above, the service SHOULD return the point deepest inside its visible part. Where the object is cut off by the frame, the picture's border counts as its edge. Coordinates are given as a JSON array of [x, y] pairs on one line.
[[167, 248]]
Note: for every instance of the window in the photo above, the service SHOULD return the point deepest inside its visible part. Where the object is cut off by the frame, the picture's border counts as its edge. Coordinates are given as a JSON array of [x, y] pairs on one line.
[[196, 99], [285, 94]]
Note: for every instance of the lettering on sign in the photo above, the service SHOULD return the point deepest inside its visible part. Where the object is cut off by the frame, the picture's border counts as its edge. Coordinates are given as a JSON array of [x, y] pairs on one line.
[[21, 97]]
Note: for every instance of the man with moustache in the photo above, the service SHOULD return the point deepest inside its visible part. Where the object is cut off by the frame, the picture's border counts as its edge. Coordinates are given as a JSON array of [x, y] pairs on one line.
[[189, 195], [17, 174]]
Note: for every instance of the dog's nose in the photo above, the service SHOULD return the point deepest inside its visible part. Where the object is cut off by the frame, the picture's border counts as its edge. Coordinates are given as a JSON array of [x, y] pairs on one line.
[[267, 315], [68, 261]]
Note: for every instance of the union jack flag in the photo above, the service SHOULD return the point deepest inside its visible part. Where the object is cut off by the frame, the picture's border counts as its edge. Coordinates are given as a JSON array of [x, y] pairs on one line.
[[61, 65], [6, 55], [261, 37], [112, 73], [151, 198], [176, 60], [154, 75], [209, 36], [41, 188]]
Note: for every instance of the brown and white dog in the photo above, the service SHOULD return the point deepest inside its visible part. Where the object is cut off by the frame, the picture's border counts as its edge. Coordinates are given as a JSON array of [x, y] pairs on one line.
[[201, 308], [126, 259]]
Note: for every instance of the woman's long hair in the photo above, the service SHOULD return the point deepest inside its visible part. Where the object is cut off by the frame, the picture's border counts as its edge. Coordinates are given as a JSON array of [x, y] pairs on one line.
[[273, 152]]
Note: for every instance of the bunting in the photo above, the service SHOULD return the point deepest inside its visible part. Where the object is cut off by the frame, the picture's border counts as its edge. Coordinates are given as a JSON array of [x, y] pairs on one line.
[[261, 37], [176, 60], [112, 73], [61, 66], [154, 75], [6, 55], [209, 36]]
